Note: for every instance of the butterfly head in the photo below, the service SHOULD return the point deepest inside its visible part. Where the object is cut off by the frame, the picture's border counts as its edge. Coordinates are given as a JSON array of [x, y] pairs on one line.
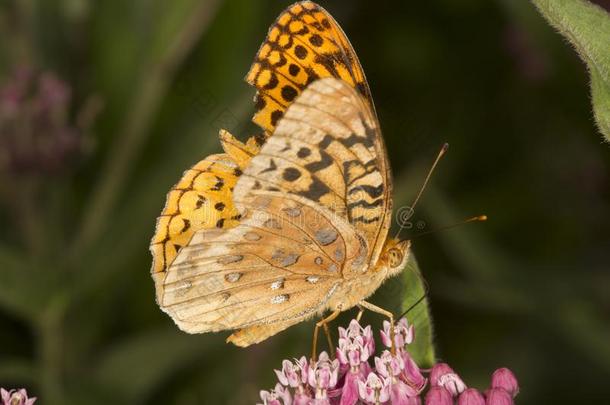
[[395, 255]]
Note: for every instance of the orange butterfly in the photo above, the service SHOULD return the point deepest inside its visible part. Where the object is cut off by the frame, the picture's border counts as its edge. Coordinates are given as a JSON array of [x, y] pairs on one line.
[[294, 222]]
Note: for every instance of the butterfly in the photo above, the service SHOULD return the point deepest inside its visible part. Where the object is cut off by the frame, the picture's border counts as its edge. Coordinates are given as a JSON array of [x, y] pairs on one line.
[[295, 221]]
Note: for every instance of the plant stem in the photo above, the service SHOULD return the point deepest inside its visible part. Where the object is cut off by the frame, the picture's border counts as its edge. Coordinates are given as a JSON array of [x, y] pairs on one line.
[[50, 351]]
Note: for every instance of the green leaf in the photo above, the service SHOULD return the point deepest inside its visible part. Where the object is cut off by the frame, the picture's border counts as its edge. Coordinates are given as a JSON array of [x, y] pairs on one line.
[[587, 27], [25, 287], [416, 302]]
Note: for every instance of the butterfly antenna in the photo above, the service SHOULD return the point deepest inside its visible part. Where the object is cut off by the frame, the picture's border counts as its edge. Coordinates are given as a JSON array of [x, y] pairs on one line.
[[423, 187], [480, 218], [416, 303]]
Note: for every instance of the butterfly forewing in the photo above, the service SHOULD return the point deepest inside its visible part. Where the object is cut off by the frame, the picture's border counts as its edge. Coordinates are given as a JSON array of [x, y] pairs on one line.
[[304, 44]]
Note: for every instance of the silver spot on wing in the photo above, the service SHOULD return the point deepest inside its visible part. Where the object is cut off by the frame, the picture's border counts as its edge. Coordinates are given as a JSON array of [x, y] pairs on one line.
[[278, 299], [326, 236], [233, 277]]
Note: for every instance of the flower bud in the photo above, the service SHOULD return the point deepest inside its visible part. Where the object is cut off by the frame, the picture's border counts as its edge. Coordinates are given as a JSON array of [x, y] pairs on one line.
[[471, 397], [452, 383], [438, 370], [505, 379], [498, 396], [438, 396]]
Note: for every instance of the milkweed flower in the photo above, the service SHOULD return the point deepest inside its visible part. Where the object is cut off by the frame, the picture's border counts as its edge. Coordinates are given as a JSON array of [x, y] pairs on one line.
[[357, 376], [403, 333], [16, 397], [277, 396], [37, 134], [375, 390], [323, 376]]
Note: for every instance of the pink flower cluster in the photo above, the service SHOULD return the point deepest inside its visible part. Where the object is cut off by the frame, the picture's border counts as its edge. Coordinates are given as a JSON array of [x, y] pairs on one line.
[[395, 379], [37, 135], [16, 397]]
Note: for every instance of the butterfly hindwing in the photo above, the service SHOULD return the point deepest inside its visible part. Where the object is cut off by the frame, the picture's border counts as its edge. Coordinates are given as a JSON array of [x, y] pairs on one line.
[[282, 262]]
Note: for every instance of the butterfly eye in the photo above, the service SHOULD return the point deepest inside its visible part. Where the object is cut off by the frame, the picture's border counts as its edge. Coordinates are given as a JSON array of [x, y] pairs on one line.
[[395, 257]]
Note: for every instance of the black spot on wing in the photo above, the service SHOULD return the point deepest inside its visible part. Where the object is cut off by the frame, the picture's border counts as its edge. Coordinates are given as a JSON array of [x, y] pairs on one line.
[[365, 204], [325, 161], [219, 184], [275, 117], [200, 201], [373, 192], [316, 190], [300, 51], [289, 93], [303, 152], [272, 167], [294, 69], [365, 220], [354, 139], [291, 174], [186, 225], [316, 40], [326, 141]]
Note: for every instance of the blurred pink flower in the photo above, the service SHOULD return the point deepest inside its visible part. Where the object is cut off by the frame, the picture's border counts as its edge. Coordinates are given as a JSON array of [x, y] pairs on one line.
[[36, 133], [16, 397]]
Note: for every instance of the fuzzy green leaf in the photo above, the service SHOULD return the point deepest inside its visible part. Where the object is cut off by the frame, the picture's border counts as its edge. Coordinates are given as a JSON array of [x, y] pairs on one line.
[[587, 27], [416, 302]]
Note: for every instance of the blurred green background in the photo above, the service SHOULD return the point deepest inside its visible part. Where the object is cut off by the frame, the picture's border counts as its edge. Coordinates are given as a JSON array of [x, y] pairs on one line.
[[85, 166]]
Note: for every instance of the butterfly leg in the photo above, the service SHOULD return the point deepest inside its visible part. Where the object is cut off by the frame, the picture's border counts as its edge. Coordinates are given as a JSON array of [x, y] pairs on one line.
[[329, 340], [322, 324], [360, 312], [376, 309]]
